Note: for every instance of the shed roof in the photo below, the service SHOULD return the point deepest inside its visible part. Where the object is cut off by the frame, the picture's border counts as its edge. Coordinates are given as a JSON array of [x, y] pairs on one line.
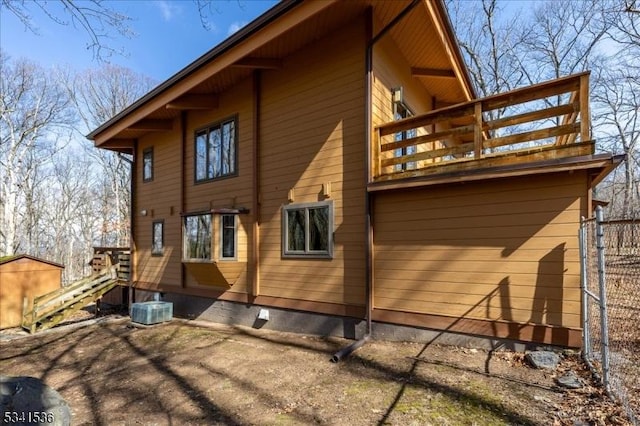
[[12, 258]]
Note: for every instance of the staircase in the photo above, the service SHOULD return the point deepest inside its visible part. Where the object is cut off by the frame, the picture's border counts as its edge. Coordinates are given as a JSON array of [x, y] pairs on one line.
[[52, 308]]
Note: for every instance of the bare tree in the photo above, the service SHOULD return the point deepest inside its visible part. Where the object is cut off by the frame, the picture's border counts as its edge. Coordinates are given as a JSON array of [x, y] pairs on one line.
[[488, 39], [99, 21], [617, 97], [99, 95], [564, 38], [35, 121]]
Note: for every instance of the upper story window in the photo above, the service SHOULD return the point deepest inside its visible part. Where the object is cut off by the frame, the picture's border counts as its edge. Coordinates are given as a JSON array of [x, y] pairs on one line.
[[147, 165], [400, 111], [215, 151], [308, 230]]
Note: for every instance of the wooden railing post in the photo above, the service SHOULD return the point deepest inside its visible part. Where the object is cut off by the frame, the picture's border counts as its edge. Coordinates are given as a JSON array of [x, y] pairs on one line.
[[477, 130], [25, 307], [585, 116], [375, 158], [32, 326]]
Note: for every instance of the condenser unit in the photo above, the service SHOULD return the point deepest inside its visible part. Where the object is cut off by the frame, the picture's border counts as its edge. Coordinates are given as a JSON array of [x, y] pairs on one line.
[[151, 312]]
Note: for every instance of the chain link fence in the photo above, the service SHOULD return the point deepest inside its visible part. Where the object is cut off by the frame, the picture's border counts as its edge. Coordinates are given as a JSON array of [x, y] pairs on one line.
[[610, 255]]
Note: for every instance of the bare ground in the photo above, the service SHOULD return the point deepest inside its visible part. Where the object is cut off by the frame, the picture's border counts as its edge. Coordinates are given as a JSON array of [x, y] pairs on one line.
[[183, 373]]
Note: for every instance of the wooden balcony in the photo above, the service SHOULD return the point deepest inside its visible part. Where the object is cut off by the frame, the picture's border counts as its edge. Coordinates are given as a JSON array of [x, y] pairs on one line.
[[547, 121]]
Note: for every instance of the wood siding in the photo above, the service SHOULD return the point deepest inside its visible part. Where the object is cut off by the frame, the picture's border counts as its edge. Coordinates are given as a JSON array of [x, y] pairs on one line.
[[22, 278], [162, 200], [312, 124], [504, 250], [228, 192]]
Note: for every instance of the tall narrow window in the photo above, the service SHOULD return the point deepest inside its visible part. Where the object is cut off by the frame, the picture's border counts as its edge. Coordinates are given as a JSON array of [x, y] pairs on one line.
[[308, 230], [400, 111], [215, 151], [147, 165], [228, 237], [157, 244], [197, 237]]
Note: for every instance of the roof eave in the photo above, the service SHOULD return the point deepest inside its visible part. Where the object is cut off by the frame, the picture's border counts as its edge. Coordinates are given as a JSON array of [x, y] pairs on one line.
[[443, 16], [227, 44]]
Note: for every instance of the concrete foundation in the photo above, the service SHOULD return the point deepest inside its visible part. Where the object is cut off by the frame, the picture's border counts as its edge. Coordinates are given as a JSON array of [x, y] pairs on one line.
[[232, 313]]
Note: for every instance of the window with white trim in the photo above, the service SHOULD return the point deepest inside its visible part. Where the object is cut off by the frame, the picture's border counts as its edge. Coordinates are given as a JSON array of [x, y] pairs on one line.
[[196, 235], [228, 237], [307, 230]]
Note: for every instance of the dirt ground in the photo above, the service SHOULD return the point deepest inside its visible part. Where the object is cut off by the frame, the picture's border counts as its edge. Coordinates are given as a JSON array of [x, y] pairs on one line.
[[183, 373]]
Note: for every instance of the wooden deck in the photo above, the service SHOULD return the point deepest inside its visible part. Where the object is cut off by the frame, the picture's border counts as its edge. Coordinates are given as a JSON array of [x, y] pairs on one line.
[[547, 121]]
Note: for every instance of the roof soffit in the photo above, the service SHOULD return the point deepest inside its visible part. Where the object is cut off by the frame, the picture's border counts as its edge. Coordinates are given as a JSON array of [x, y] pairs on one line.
[[154, 103]]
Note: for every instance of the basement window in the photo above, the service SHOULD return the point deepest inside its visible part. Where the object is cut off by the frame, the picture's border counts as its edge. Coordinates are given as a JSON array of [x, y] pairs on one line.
[[308, 230], [196, 236], [215, 151]]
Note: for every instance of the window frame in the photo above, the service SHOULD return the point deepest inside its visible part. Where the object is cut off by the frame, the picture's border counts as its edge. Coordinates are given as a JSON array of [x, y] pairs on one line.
[[400, 112], [147, 151], [221, 255], [208, 130], [155, 252], [307, 253], [185, 251]]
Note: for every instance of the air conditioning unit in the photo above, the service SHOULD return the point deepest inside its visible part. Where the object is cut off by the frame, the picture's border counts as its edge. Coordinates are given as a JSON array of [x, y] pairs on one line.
[[148, 313]]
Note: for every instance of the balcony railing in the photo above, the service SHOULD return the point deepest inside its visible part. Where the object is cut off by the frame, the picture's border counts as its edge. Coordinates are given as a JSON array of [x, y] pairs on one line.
[[536, 123]]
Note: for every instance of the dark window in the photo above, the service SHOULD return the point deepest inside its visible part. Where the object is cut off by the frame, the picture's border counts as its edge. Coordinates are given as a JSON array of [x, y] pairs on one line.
[[147, 165], [157, 244], [401, 111], [197, 237], [308, 230], [215, 149], [228, 236]]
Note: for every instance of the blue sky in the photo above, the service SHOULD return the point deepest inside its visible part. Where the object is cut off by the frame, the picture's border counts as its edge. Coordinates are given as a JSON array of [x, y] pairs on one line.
[[168, 34]]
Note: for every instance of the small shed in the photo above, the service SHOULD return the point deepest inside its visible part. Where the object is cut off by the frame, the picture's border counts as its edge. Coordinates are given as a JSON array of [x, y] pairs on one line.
[[20, 276]]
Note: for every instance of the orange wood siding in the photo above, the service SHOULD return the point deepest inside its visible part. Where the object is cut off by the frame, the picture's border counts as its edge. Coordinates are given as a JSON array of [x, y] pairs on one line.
[[22, 278], [312, 124], [496, 250], [228, 192], [161, 199], [391, 70]]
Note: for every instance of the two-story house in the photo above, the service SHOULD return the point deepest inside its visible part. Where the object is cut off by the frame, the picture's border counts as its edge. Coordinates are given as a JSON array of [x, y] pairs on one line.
[[330, 163]]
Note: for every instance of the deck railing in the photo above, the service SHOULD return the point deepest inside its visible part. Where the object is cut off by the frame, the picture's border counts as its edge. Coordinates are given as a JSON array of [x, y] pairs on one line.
[[535, 123], [104, 257]]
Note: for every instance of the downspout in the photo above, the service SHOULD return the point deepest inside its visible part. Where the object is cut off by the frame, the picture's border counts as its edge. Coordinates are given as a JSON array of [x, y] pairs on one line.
[[371, 41], [183, 184], [132, 225], [255, 240]]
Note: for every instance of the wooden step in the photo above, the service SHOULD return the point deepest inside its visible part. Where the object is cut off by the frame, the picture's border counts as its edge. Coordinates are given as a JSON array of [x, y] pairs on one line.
[[52, 308]]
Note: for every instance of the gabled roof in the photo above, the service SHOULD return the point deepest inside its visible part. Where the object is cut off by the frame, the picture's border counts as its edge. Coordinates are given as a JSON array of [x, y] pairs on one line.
[[8, 259], [425, 37]]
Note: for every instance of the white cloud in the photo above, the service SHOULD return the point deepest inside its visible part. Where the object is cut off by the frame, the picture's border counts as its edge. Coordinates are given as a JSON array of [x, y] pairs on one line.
[[168, 9], [235, 26]]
